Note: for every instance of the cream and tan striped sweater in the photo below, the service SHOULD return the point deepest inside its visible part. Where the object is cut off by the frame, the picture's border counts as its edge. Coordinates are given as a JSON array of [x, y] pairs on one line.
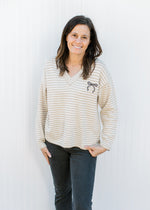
[[67, 110]]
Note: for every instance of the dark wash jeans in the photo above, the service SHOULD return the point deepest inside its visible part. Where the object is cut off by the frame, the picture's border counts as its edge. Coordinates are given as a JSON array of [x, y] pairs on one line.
[[73, 171]]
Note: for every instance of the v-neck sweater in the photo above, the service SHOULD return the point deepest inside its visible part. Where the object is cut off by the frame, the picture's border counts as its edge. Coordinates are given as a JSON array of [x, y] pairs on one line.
[[67, 110]]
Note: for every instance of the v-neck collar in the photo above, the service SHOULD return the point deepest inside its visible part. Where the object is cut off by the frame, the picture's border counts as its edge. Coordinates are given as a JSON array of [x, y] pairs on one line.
[[72, 79]]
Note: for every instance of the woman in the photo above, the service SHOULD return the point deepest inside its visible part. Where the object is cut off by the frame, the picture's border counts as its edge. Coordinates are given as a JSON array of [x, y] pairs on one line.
[[69, 133]]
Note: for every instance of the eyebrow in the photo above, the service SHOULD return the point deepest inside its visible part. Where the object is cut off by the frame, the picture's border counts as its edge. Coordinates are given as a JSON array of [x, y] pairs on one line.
[[77, 33]]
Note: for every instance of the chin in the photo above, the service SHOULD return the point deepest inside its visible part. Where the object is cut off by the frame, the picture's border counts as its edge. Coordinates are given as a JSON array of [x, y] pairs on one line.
[[75, 52]]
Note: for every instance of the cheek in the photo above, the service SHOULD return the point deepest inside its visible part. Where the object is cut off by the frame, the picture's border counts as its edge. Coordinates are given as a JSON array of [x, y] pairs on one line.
[[70, 39], [86, 44], [70, 43]]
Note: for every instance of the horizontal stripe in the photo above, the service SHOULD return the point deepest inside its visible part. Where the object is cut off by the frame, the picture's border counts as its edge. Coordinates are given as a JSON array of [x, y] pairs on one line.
[[68, 108]]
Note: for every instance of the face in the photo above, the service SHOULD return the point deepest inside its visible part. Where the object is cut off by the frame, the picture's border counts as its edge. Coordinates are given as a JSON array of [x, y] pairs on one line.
[[78, 39]]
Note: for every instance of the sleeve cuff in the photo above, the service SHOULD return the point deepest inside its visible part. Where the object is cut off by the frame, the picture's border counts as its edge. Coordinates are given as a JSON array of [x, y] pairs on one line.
[[41, 145], [106, 146]]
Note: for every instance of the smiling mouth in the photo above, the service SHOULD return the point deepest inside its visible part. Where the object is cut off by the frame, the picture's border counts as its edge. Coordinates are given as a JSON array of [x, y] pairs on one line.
[[77, 47]]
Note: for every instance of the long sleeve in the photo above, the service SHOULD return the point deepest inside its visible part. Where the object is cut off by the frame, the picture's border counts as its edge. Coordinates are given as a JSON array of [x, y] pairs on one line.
[[41, 112], [108, 112]]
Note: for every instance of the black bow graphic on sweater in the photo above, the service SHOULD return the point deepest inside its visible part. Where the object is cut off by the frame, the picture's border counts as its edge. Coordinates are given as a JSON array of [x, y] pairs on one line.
[[93, 85]]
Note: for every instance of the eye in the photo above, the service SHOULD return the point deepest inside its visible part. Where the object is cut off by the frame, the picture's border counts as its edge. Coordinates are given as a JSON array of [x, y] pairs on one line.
[[74, 35], [84, 37]]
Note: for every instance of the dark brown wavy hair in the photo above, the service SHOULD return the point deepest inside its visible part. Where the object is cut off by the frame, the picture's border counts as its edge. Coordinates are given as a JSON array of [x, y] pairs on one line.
[[93, 50]]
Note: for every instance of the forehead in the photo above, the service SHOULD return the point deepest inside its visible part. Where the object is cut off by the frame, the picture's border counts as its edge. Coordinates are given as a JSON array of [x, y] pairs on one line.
[[81, 29]]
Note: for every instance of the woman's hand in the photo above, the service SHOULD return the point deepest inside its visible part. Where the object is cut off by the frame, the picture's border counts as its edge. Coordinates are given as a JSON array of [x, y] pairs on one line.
[[95, 150], [46, 154]]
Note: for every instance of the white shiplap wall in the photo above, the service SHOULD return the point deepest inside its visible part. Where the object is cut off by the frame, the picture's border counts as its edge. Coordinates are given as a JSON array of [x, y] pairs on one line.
[[30, 35]]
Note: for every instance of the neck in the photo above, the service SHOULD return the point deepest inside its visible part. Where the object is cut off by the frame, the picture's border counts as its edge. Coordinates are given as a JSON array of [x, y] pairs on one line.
[[74, 60]]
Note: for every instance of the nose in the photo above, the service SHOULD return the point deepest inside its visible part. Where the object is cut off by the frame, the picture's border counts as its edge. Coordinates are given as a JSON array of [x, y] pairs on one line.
[[78, 40]]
